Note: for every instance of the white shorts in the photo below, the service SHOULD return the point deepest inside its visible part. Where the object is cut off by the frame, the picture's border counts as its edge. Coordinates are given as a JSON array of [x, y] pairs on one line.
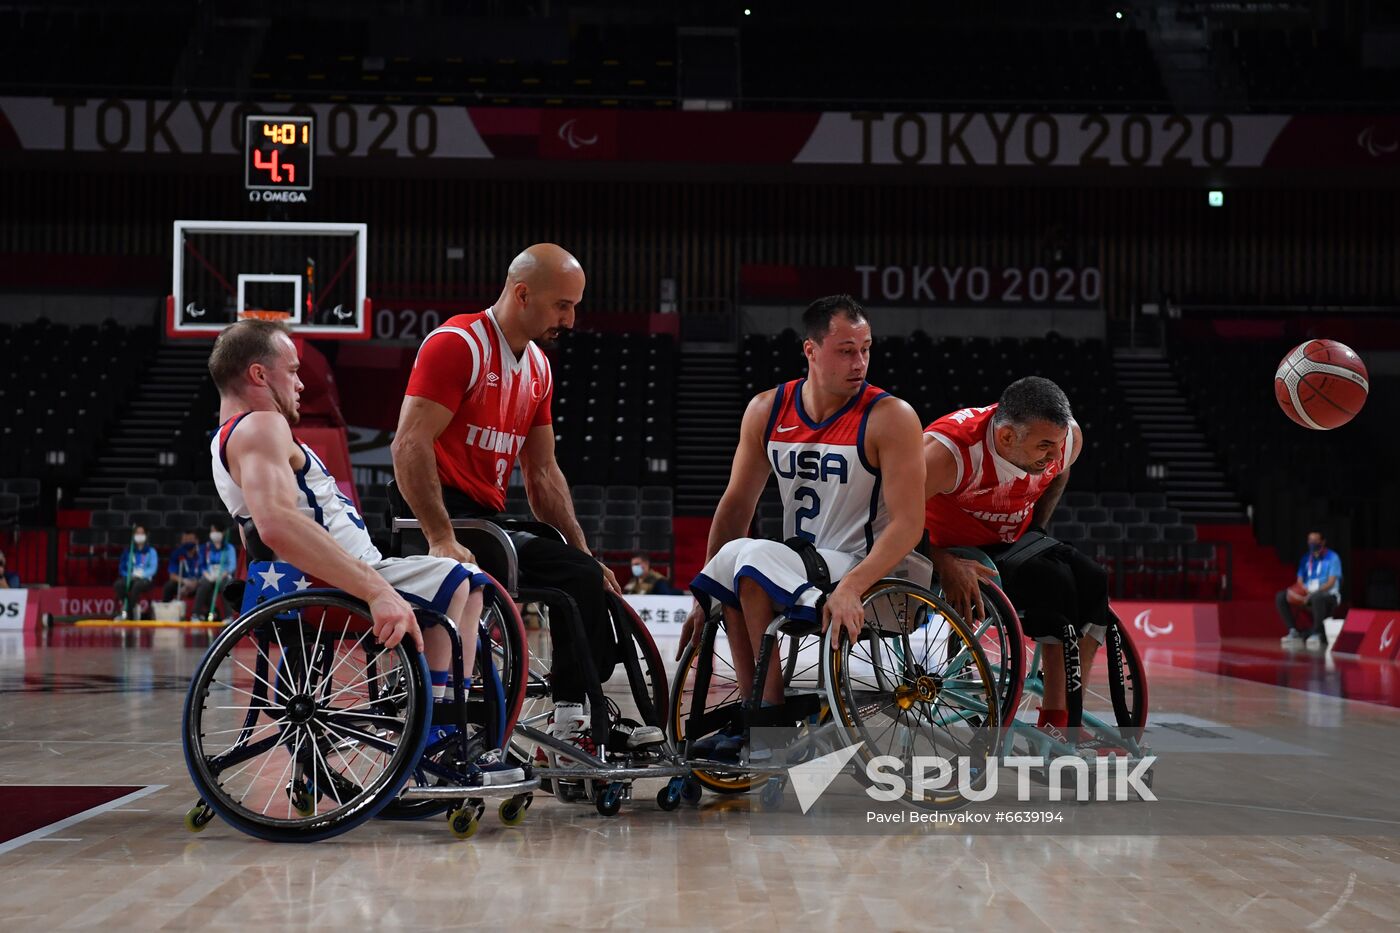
[[424, 581], [775, 567]]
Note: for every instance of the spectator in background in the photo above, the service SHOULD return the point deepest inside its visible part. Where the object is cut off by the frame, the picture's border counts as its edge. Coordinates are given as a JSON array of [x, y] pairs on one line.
[[1318, 589], [8, 581], [647, 582], [217, 562], [136, 571], [184, 568]]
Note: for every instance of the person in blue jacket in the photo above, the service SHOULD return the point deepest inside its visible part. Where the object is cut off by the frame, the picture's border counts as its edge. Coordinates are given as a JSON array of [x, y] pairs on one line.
[[217, 561], [136, 571], [1318, 588], [184, 568]]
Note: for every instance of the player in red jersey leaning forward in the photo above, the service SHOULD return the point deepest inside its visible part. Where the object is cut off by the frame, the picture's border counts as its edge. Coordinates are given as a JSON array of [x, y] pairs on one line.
[[992, 479]]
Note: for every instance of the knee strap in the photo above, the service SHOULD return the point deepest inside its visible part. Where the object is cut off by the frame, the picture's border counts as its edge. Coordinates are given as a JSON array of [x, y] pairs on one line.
[[1029, 545], [818, 574]]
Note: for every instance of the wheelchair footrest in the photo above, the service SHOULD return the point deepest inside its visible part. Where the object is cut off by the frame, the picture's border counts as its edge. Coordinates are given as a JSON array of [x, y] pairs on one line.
[[463, 792], [793, 709]]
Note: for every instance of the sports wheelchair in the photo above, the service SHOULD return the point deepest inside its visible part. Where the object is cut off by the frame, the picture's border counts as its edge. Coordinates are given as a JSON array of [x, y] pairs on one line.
[[1113, 706], [598, 775], [299, 726], [916, 682]]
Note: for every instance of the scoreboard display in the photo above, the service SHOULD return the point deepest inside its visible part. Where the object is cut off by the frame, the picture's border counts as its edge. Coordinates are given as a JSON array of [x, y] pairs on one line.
[[278, 153]]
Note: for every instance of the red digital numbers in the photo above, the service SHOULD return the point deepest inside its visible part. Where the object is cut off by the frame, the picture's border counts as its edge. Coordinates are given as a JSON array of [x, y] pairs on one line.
[[270, 166]]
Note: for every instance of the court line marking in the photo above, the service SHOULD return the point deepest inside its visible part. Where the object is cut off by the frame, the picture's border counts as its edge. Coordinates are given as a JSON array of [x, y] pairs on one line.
[[1255, 806], [75, 819], [1322, 921], [79, 742]]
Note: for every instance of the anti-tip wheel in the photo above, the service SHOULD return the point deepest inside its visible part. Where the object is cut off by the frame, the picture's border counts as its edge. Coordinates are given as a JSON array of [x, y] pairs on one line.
[[668, 798], [771, 797], [610, 800], [463, 822], [512, 811], [691, 791], [198, 817]]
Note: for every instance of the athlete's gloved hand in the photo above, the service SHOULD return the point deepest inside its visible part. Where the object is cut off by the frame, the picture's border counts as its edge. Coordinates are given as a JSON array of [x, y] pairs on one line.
[[452, 548], [843, 608], [960, 578], [393, 619]]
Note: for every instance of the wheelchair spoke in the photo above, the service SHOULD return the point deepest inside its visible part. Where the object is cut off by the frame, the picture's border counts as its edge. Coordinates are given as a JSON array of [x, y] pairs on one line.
[[254, 674], [255, 730], [340, 753]]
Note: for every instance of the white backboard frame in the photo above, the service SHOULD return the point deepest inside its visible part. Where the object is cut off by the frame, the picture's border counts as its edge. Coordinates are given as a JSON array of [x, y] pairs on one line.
[[177, 328]]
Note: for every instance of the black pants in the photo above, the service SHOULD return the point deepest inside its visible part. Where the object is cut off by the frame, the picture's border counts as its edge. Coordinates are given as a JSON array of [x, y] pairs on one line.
[[1320, 604], [173, 588], [204, 595], [549, 563], [128, 591], [1056, 588]]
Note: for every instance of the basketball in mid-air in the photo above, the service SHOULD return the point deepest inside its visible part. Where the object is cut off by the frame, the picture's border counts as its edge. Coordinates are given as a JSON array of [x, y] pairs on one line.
[[1321, 384]]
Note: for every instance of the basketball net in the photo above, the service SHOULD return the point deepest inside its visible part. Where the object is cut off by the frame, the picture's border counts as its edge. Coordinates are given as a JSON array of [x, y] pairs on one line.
[[261, 315]]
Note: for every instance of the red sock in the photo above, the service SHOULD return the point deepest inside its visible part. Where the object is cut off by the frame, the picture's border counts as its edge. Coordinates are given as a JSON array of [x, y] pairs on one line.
[[1054, 717]]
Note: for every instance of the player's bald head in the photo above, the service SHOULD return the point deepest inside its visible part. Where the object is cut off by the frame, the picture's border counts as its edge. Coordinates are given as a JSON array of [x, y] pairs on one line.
[[543, 264]]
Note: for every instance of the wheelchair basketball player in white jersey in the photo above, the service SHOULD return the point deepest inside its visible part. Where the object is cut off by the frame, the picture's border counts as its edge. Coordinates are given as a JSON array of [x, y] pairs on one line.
[[849, 462], [287, 502]]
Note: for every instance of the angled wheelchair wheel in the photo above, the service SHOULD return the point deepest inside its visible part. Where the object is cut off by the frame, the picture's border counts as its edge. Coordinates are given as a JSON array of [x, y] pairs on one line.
[[916, 683], [298, 725], [1000, 637], [641, 662], [710, 692], [501, 643]]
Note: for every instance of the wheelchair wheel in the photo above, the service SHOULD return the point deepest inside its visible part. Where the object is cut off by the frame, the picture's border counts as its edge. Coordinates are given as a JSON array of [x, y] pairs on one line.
[[916, 683], [721, 692], [642, 662], [501, 628], [1000, 637], [298, 725]]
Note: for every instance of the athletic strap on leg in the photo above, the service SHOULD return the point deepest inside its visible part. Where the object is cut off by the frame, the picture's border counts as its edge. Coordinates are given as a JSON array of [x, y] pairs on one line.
[[818, 574]]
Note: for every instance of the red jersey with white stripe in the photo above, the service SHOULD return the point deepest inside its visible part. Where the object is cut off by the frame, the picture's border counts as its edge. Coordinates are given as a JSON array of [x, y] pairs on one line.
[[830, 491], [467, 366], [994, 499]]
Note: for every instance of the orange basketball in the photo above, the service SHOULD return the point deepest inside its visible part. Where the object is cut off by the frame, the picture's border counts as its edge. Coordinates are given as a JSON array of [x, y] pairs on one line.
[[1321, 384]]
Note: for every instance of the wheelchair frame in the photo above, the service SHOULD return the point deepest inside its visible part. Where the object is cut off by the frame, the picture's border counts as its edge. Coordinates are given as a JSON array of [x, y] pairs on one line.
[[263, 622], [1119, 653]]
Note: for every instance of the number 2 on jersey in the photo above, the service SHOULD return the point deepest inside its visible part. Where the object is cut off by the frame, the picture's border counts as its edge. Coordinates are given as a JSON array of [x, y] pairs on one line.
[[501, 468], [809, 511]]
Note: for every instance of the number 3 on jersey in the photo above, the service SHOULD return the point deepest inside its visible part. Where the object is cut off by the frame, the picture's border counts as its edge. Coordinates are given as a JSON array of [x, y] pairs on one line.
[[811, 510]]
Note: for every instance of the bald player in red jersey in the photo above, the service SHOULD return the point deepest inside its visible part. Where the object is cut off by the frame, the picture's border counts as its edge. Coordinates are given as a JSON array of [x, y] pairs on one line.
[[993, 477], [479, 399]]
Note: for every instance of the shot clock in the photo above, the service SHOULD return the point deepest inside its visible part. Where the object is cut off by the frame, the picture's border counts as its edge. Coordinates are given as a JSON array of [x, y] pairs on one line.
[[278, 153]]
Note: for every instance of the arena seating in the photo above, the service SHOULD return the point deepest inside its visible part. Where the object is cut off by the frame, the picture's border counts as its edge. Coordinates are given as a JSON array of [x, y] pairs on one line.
[[60, 388], [613, 395], [1019, 55]]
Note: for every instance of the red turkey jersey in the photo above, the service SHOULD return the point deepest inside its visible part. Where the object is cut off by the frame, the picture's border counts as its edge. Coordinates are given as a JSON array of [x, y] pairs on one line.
[[993, 499], [467, 366]]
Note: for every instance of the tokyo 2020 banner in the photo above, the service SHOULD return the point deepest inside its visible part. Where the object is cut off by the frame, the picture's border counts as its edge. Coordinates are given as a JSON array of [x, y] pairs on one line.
[[924, 140]]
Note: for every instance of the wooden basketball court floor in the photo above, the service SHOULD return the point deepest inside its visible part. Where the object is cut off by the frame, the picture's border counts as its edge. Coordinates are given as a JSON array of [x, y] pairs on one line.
[[94, 788]]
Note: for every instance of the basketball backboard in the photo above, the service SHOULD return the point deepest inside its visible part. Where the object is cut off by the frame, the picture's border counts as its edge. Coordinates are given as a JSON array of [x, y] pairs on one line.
[[312, 275]]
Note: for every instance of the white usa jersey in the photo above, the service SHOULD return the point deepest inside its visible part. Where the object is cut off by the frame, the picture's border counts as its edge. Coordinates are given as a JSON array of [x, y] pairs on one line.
[[831, 492], [320, 498]]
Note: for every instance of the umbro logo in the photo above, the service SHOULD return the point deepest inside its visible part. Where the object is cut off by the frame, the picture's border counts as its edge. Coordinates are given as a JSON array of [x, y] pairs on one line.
[[784, 430], [492, 379]]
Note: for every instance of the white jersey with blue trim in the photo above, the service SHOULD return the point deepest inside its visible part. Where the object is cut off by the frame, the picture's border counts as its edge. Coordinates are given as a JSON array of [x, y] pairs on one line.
[[319, 498], [830, 491]]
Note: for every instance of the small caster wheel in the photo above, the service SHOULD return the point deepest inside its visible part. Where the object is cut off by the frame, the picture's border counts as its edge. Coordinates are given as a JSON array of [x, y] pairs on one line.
[[669, 797], [463, 822], [512, 811], [771, 797], [197, 817], [610, 800], [691, 791]]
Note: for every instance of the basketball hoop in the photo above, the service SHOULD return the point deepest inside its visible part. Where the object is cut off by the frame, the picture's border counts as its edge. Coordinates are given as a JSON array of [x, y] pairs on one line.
[[261, 315]]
